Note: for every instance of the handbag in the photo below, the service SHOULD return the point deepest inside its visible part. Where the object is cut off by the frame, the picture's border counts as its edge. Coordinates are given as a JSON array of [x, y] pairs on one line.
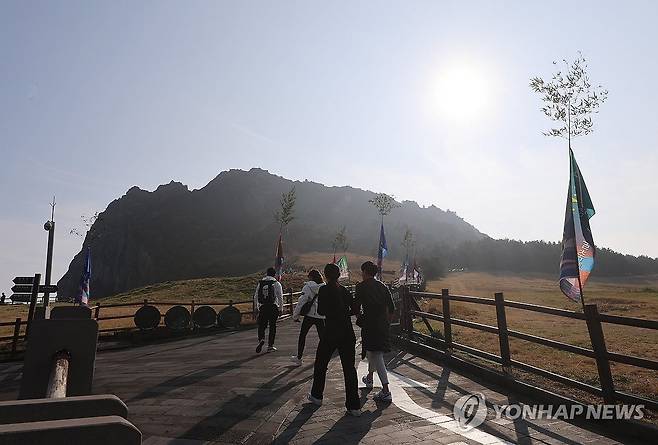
[[307, 306]]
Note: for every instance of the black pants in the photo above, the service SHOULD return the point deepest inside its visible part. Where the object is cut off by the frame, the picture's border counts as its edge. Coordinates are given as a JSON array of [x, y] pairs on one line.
[[267, 314], [307, 323], [346, 350]]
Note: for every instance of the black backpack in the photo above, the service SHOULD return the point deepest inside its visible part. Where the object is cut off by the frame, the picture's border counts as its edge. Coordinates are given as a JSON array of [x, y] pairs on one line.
[[306, 308], [266, 296]]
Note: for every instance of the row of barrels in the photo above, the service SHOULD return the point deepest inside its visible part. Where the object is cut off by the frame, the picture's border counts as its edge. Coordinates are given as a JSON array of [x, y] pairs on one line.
[[178, 318]]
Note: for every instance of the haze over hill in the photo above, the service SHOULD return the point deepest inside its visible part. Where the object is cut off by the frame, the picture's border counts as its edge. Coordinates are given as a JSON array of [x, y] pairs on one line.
[[227, 228]]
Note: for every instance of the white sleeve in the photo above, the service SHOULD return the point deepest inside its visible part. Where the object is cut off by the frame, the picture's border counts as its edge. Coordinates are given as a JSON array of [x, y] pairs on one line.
[[256, 305], [278, 293], [303, 298]]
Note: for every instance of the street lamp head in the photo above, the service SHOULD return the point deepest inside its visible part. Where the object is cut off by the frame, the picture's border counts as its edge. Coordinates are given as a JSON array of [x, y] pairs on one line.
[[47, 226]]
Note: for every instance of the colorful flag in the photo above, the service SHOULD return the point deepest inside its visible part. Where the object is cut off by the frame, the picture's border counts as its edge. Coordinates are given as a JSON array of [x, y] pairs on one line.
[[85, 279], [418, 278], [278, 261], [382, 251], [578, 248], [404, 269], [344, 269]]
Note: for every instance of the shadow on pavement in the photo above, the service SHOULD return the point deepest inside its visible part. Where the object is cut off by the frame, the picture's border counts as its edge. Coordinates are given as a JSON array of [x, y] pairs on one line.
[[190, 379], [243, 408]]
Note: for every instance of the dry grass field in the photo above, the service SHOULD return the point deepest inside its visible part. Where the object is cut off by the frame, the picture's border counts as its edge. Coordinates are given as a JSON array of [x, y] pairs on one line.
[[633, 297]]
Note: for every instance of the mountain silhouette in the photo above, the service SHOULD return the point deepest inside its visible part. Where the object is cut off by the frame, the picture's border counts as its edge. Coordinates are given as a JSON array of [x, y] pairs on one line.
[[227, 228]]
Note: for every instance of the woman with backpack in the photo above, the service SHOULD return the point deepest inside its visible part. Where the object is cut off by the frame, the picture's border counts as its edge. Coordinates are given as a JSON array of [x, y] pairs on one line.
[[307, 307]]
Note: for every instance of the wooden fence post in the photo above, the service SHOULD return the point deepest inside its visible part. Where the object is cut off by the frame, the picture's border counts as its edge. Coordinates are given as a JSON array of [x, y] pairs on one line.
[[447, 326], [290, 300], [600, 352], [17, 331], [503, 337], [405, 317], [97, 312], [192, 308], [146, 302], [33, 301]]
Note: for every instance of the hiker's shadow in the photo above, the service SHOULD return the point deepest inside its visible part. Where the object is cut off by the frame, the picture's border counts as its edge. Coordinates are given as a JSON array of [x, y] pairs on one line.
[[350, 430], [296, 424]]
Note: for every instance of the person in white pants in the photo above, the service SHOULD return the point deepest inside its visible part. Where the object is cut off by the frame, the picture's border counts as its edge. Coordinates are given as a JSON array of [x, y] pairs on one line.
[[375, 299]]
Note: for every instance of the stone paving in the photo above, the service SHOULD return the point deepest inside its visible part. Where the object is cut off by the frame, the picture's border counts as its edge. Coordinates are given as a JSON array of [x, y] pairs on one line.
[[216, 389], [427, 419]]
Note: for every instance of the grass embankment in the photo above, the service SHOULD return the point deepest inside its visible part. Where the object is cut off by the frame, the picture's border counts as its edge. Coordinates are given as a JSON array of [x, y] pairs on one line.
[[632, 297]]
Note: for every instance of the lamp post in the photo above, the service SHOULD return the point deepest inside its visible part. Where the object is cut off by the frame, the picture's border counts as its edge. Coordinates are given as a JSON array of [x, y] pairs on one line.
[[49, 226]]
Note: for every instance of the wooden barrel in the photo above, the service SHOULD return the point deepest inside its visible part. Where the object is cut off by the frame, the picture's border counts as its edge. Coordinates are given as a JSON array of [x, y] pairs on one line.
[[147, 317], [177, 318], [204, 317], [229, 317]]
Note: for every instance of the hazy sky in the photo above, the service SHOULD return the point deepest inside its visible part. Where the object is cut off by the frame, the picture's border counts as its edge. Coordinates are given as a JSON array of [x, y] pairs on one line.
[[428, 101]]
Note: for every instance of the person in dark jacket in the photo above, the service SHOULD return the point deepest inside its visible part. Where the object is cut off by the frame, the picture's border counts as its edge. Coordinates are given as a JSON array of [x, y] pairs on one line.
[[375, 298], [335, 303]]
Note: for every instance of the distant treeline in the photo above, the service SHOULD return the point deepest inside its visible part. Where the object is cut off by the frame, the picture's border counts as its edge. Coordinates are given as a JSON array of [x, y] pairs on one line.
[[532, 256]]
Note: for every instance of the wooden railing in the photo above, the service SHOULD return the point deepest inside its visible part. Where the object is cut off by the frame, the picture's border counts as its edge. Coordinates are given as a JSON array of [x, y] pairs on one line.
[[16, 336], [593, 319], [290, 299]]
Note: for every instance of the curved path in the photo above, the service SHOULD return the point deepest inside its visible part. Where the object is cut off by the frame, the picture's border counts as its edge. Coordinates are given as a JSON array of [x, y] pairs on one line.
[[216, 389]]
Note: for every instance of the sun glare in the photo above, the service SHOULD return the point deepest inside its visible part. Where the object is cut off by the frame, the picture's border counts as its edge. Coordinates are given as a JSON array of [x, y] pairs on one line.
[[461, 92]]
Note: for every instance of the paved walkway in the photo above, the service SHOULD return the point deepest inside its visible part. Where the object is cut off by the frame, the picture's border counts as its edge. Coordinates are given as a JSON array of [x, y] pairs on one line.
[[216, 389]]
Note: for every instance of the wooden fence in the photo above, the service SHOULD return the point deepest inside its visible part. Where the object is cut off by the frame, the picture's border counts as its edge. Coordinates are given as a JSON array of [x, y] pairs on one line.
[[17, 339], [593, 319]]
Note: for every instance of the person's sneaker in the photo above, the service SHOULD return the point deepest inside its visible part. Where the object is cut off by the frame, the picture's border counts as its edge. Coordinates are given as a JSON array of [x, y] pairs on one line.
[[314, 401], [367, 381], [296, 360], [354, 412], [383, 396], [271, 349], [260, 346]]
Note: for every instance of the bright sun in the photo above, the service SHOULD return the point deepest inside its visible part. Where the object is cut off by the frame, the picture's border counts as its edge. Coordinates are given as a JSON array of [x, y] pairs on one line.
[[461, 92]]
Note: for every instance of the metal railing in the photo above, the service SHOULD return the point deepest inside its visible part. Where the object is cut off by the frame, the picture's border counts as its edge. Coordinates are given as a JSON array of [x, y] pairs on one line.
[[593, 319]]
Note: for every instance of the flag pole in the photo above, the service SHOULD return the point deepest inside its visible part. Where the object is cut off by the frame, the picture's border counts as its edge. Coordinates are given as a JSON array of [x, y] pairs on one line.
[[580, 286]]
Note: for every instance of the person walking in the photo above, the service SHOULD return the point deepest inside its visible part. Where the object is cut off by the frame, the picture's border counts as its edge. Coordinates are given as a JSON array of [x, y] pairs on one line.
[[335, 302], [307, 306], [268, 300], [375, 298]]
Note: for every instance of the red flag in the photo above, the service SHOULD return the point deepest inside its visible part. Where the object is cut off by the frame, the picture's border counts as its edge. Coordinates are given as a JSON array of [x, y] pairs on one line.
[[278, 261]]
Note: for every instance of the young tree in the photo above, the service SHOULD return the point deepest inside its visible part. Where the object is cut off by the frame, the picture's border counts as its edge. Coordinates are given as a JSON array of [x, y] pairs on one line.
[[408, 241], [570, 99], [285, 215], [340, 241], [384, 203]]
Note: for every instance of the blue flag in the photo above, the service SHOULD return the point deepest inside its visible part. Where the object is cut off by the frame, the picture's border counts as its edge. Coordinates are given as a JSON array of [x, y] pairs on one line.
[[382, 251], [85, 279]]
